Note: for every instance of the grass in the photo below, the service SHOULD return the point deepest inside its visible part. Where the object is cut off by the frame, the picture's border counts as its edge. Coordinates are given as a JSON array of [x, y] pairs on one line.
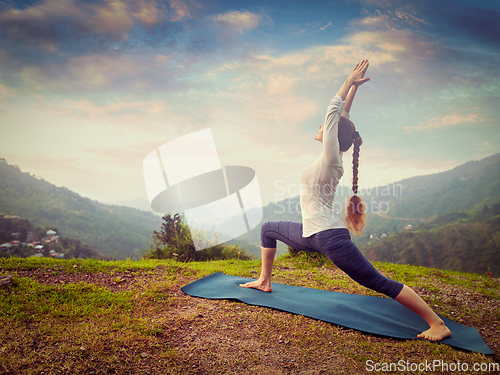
[[134, 319]]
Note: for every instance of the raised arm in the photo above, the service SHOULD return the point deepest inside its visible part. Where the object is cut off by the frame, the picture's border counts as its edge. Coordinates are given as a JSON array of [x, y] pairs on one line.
[[339, 103], [350, 98]]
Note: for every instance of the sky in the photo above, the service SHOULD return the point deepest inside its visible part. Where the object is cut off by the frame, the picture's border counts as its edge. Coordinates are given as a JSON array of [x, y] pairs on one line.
[[89, 88]]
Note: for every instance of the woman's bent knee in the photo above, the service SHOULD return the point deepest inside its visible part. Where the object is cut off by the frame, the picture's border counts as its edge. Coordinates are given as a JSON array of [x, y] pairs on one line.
[[266, 241]]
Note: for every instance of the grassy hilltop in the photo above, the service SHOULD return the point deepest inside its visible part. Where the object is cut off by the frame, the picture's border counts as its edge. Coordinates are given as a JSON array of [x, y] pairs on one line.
[[130, 317]]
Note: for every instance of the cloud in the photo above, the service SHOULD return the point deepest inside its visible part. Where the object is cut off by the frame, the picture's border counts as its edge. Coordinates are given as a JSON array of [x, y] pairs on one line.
[[236, 21], [125, 157], [381, 37], [182, 9], [455, 118], [378, 20], [285, 111], [56, 30], [282, 99], [417, 60], [279, 83], [454, 21], [390, 18], [329, 24], [409, 18], [123, 45], [50, 21], [314, 63], [417, 57], [132, 114], [384, 32], [4, 91], [107, 73], [286, 95]]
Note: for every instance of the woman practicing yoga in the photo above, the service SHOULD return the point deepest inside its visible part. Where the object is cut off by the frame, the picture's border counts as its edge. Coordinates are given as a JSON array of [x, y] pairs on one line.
[[321, 230]]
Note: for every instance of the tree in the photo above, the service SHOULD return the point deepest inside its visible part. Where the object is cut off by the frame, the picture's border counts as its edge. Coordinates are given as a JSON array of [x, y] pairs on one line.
[[174, 241], [173, 238]]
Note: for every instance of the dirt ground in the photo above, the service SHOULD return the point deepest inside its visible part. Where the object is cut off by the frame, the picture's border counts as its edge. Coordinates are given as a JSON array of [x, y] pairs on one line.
[[237, 339]]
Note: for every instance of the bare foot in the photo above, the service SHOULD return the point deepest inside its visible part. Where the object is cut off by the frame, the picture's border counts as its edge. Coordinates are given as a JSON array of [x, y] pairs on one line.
[[436, 333], [258, 284]]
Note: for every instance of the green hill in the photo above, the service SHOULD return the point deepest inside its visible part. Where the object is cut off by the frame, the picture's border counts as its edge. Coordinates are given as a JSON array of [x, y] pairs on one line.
[[460, 188], [114, 231], [467, 240]]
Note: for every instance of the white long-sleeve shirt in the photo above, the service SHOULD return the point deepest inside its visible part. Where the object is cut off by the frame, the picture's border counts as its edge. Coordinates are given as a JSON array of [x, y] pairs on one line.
[[320, 179]]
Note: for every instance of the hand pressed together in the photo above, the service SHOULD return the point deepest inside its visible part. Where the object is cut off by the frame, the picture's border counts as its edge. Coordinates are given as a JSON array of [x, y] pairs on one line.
[[357, 76], [355, 79]]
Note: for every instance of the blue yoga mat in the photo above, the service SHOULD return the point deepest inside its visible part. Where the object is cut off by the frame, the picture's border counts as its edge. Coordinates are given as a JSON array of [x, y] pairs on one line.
[[376, 315]]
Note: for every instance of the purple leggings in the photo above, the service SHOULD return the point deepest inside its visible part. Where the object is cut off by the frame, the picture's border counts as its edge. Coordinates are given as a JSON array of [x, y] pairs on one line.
[[337, 246]]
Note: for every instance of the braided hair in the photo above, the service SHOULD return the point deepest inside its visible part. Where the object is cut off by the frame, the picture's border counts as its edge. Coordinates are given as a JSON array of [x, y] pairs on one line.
[[355, 210]]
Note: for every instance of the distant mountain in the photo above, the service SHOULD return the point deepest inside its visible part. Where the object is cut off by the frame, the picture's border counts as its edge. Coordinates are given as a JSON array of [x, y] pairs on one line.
[[120, 231], [467, 240], [114, 231], [460, 188], [407, 202]]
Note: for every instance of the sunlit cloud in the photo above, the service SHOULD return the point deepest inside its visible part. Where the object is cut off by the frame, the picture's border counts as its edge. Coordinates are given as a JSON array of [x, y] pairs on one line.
[[410, 19], [329, 24], [133, 114], [4, 91], [181, 9], [400, 44], [45, 23], [317, 63], [455, 118], [378, 20], [286, 111], [279, 83], [236, 21], [106, 73], [392, 18]]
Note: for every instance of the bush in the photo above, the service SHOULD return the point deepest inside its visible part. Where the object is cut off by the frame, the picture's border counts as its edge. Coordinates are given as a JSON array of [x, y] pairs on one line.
[[174, 241], [308, 254]]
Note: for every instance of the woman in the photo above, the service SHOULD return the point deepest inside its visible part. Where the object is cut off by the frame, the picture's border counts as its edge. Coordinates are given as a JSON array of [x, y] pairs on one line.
[[321, 230]]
